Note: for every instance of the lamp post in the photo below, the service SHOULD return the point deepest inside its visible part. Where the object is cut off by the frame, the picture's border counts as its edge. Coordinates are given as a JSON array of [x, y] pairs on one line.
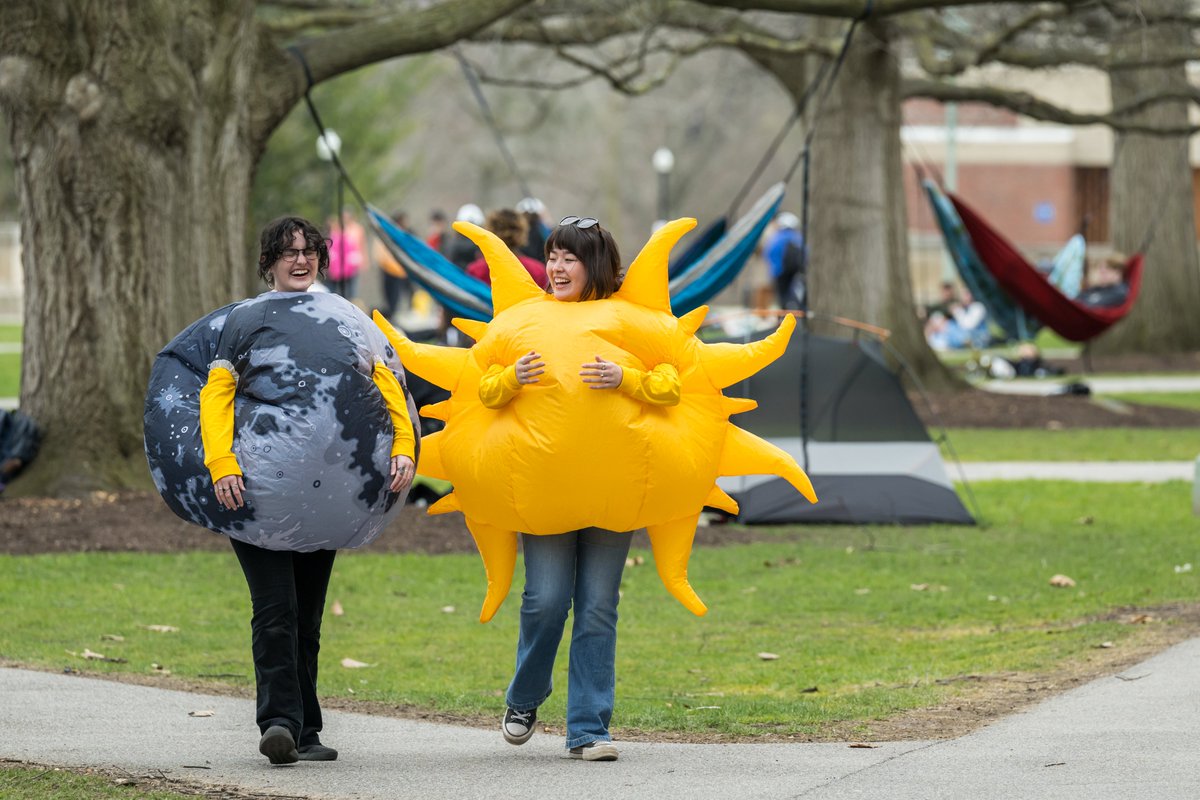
[[329, 146], [663, 161]]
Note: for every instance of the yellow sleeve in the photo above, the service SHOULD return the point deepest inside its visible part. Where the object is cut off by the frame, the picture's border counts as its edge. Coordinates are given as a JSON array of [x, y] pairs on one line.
[[216, 420], [403, 441], [498, 385], [658, 387]]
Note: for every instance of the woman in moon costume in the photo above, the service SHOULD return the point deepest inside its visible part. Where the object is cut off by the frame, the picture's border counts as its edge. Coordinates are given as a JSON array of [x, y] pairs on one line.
[[282, 422]]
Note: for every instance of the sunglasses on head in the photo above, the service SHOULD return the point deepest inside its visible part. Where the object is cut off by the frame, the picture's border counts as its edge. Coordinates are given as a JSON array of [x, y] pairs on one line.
[[579, 222]]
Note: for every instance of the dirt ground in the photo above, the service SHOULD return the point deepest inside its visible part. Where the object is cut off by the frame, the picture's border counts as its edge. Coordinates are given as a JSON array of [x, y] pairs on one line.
[[140, 521]]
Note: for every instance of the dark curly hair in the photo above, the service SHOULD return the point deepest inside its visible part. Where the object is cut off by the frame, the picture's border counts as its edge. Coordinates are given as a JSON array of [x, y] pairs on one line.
[[597, 250], [277, 237]]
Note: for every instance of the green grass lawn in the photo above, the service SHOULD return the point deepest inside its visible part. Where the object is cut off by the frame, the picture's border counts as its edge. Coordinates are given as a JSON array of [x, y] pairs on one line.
[[1080, 444], [10, 374], [59, 784], [1188, 400], [10, 363], [873, 618]]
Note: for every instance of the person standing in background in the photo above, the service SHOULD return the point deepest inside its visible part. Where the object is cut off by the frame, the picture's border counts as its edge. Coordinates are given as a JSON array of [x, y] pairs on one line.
[[347, 252], [397, 288]]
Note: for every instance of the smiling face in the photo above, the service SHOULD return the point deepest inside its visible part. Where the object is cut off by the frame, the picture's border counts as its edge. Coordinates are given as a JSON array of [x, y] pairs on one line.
[[567, 274], [297, 275]]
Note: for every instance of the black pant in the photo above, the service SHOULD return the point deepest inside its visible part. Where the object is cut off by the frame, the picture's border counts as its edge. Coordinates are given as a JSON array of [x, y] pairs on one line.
[[287, 591], [396, 293]]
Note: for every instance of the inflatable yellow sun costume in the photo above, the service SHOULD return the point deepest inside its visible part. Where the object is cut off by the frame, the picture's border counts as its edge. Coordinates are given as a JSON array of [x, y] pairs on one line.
[[561, 456]]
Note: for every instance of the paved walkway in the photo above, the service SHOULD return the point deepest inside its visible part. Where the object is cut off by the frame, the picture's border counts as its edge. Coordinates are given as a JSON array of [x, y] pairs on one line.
[[1091, 471], [1125, 737], [1131, 385]]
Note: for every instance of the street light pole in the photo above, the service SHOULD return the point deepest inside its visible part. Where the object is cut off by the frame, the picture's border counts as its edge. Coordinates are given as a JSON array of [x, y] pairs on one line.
[[329, 146], [663, 161]]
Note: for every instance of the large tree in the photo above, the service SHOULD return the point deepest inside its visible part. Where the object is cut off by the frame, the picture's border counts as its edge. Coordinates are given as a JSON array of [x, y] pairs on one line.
[[136, 126]]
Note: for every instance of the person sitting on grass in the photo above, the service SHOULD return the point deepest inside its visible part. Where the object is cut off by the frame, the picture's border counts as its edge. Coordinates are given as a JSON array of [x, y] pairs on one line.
[[966, 325]]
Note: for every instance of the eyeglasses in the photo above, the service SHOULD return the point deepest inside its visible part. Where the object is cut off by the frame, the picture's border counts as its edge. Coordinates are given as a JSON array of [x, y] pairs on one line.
[[579, 222], [290, 255]]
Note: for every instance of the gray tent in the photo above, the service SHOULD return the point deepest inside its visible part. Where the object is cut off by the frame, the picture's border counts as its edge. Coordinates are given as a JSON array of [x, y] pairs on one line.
[[869, 456]]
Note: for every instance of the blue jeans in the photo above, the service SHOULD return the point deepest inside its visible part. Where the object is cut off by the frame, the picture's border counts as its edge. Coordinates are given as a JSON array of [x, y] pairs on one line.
[[584, 568]]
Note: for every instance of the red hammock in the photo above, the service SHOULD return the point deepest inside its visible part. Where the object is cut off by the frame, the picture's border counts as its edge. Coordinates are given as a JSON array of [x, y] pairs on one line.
[[1030, 289]]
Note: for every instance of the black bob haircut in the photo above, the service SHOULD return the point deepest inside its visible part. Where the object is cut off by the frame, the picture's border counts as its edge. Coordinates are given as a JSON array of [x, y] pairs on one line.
[[597, 250]]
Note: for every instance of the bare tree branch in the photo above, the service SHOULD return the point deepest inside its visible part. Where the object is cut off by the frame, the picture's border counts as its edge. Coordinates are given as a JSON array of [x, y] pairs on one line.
[[312, 5], [851, 9], [400, 34], [1037, 108], [286, 25]]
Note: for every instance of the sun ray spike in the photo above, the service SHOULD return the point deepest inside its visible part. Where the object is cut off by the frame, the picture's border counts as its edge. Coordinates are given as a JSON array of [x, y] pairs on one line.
[[511, 282], [690, 322], [441, 366], [446, 505], [726, 363], [646, 279], [470, 327], [436, 411], [671, 543], [498, 548], [730, 405], [429, 462], [718, 499], [746, 454]]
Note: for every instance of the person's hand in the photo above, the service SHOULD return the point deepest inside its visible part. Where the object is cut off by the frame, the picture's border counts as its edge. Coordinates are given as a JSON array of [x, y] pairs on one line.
[[403, 472], [229, 492], [601, 374], [529, 367]]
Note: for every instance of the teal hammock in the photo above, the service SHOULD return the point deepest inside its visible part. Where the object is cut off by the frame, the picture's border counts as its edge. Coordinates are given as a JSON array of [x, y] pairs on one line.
[[701, 275]]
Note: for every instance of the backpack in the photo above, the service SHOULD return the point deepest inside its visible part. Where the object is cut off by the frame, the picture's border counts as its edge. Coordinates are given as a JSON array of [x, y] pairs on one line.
[[794, 260]]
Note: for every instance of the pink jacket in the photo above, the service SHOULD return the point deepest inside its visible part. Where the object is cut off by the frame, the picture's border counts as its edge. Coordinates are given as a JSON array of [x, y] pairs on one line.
[[353, 241]]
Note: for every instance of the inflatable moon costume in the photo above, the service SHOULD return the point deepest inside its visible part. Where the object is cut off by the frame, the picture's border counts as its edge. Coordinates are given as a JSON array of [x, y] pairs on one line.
[[560, 456], [313, 435]]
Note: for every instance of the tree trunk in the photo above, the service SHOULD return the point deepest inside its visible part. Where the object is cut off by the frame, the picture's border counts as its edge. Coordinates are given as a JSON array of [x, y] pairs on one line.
[[1152, 194], [136, 127], [858, 223], [133, 170]]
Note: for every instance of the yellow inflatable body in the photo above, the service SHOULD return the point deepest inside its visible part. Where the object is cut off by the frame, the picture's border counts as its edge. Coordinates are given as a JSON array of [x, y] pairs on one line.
[[562, 456]]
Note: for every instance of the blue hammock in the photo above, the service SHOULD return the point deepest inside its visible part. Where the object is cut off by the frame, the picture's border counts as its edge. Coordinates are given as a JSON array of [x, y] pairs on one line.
[[700, 245], [697, 282], [462, 294], [706, 277], [1002, 311]]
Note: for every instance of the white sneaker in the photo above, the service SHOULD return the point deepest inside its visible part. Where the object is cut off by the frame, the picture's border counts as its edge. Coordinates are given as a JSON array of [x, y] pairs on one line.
[[595, 751]]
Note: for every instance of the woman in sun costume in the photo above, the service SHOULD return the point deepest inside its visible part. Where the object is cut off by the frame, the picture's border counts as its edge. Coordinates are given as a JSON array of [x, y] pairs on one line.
[[560, 457]]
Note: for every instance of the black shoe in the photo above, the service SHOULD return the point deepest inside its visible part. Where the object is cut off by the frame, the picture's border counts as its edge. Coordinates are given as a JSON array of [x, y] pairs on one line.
[[595, 751], [518, 725], [316, 752], [278, 745]]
